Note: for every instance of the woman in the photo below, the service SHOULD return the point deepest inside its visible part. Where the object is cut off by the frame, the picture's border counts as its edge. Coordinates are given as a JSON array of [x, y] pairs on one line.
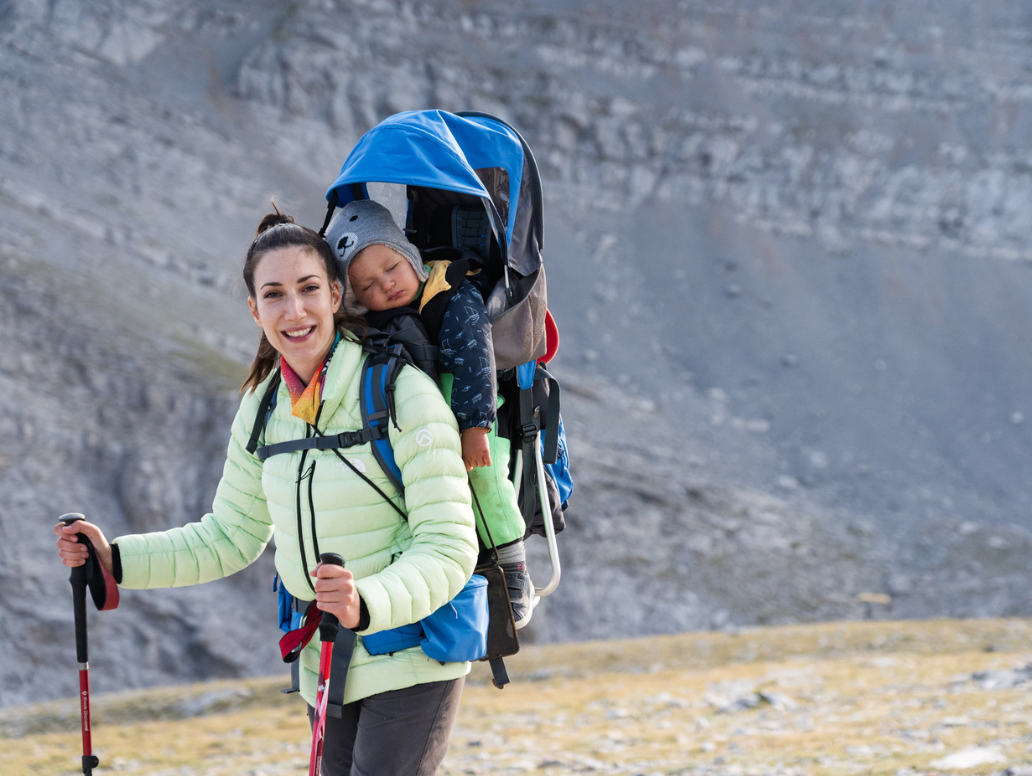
[[399, 707]]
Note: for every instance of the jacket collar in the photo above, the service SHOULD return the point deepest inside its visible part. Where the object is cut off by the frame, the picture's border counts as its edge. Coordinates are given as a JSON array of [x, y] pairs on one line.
[[345, 369]]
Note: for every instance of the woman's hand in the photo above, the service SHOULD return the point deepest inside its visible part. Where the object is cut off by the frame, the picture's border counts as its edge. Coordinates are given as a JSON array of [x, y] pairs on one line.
[[335, 592], [475, 449], [73, 552]]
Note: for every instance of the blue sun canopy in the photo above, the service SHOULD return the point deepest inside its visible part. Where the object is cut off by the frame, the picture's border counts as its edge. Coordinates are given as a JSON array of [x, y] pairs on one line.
[[440, 150]]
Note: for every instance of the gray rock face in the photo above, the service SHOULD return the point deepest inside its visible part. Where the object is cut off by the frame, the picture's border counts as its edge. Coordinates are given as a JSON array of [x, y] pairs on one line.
[[787, 252]]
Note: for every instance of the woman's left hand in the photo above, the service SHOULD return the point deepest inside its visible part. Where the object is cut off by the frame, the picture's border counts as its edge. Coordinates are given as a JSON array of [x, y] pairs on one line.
[[335, 592]]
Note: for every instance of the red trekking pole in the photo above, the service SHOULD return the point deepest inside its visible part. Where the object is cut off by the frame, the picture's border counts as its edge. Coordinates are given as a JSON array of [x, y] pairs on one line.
[[105, 595], [328, 627]]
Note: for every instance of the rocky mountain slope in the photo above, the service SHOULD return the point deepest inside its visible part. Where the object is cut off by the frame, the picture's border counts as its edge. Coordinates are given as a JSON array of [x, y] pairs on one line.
[[786, 250]]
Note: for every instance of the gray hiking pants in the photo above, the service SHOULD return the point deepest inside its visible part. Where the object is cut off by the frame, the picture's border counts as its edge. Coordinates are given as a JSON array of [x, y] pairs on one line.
[[397, 733]]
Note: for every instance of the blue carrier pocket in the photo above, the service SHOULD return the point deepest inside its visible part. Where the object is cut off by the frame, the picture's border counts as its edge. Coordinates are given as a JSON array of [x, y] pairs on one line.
[[455, 633], [458, 630], [393, 640]]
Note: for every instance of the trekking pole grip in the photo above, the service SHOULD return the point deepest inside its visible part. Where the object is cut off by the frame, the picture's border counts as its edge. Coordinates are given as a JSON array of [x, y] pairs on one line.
[[329, 624], [77, 578]]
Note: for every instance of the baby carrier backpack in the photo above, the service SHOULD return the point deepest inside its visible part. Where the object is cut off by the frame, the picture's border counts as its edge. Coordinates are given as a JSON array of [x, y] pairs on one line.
[[474, 198]]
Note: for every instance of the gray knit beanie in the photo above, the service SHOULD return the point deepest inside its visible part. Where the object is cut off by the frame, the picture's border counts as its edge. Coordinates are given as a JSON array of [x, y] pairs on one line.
[[363, 223]]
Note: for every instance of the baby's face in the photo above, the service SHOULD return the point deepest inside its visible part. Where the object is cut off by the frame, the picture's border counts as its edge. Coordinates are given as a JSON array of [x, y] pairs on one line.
[[382, 278]]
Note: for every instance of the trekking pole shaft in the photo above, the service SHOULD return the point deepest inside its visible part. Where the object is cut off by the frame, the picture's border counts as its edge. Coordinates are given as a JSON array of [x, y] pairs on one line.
[[89, 760], [328, 628], [77, 578], [319, 718]]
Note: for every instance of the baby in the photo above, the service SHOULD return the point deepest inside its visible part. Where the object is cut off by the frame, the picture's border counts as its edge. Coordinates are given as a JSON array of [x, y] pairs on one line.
[[385, 271]]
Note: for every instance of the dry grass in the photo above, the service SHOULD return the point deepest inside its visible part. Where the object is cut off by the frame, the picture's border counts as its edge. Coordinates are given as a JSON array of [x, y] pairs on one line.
[[872, 697]]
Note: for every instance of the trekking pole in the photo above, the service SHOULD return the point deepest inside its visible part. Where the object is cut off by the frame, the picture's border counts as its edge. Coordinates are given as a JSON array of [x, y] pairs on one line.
[[328, 627], [78, 580]]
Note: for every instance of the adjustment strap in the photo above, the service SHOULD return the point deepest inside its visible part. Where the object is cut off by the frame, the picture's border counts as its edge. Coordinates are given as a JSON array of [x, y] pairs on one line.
[[499, 676]]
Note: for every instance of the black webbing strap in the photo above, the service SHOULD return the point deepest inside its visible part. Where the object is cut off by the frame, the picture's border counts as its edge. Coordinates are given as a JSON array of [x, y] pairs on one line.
[[551, 443], [329, 442], [529, 432], [499, 675], [334, 196], [343, 648], [295, 678]]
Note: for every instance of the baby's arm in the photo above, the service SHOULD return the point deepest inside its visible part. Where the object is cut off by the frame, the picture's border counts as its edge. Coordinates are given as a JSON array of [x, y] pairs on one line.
[[467, 353], [475, 449]]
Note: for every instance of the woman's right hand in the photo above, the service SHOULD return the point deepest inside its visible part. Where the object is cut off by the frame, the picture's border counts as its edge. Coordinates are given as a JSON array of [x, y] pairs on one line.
[[73, 552]]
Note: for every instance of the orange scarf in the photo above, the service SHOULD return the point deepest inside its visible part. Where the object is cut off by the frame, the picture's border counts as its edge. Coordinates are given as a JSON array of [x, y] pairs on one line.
[[306, 400]]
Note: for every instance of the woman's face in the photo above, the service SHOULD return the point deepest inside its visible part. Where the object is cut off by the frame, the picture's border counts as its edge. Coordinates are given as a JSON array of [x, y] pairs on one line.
[[294, 303], [382, 278]]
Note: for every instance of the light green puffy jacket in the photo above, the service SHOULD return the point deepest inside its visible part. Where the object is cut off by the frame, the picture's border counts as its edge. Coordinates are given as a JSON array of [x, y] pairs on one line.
[[404, 570]]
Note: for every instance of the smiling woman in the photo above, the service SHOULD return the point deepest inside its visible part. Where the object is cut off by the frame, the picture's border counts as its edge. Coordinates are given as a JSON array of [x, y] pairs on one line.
[[407, 553], [294, 307]]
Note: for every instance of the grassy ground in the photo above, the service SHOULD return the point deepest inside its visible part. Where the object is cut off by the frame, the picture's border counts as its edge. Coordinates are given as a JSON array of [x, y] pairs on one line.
[[845, 698]]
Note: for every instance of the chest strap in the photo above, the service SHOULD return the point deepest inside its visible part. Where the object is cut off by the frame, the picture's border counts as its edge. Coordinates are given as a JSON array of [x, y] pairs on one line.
[[328, 442]]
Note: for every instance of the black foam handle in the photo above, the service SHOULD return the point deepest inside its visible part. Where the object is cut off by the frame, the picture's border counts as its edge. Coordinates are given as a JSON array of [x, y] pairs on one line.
[[78, 578], [329, 625]]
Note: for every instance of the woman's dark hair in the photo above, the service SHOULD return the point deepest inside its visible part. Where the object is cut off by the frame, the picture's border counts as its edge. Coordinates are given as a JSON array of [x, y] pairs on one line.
[[279, 230]]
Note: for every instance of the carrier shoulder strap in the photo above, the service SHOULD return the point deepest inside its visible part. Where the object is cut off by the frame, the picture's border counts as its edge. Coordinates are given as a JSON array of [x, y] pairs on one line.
[[376, 400], [265, 408]]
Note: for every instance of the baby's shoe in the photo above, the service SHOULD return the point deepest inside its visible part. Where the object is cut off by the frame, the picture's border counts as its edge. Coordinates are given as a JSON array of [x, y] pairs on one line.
[[521, 591]]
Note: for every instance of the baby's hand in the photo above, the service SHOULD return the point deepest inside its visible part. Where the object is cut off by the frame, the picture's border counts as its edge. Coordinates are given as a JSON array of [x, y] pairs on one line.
[[475, 450]]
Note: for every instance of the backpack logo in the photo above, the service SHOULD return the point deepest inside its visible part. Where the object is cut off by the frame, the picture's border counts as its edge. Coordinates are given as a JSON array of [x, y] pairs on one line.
[[346, 242], [424, 438]]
